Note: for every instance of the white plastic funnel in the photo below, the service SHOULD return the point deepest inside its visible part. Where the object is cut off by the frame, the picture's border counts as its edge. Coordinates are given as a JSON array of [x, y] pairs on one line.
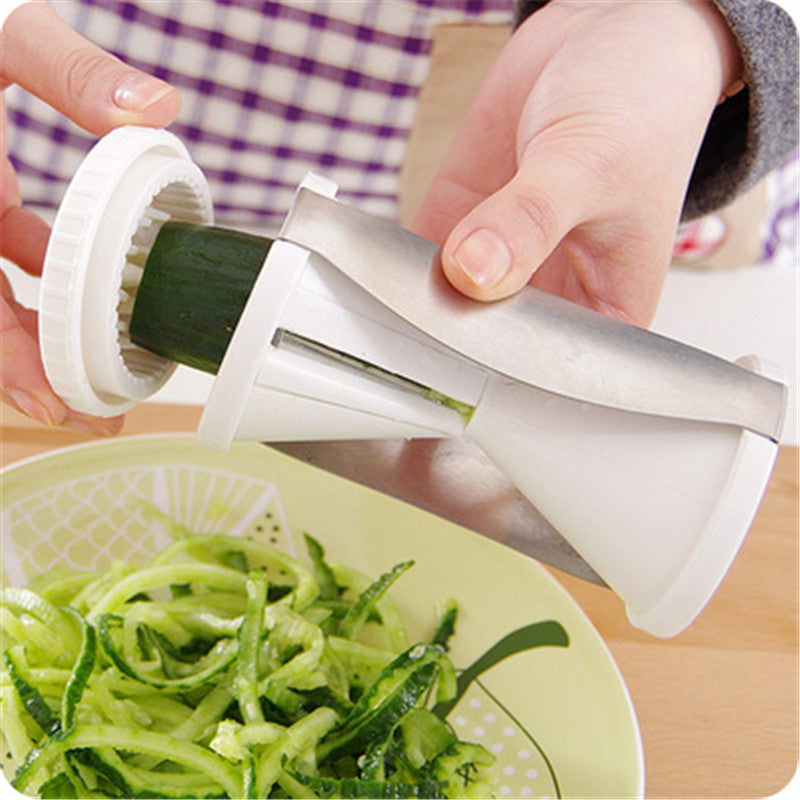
[[659, 507]]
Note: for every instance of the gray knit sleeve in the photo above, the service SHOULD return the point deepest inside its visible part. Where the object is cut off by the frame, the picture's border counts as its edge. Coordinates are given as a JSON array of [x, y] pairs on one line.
[[752, 132]]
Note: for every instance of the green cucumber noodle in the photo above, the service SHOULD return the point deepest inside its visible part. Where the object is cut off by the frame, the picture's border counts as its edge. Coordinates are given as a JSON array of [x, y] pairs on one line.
[[226, 668]]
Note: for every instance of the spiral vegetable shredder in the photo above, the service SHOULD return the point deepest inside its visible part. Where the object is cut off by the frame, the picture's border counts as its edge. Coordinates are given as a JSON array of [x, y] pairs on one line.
[[650, 457]]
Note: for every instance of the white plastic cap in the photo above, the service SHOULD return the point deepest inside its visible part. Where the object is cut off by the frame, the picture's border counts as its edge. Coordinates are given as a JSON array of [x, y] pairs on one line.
[[130, 183]]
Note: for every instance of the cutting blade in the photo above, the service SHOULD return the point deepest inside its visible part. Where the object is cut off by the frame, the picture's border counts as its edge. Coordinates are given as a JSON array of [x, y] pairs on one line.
[[569, 350], [453, 479]]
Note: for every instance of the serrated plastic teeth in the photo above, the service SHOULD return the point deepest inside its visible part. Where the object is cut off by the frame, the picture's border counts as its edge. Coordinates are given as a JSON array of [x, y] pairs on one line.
[[153, 214], [125, 304], [132, 271], [131, 275], [137, 255], [148, 229]]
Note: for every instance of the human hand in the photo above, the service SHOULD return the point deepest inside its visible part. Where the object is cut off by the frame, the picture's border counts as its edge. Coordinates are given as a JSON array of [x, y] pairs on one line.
[[46, 57], [571, 167]]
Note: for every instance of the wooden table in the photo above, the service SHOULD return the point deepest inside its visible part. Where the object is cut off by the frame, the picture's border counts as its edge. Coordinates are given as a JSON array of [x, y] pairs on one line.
[[717, 705]]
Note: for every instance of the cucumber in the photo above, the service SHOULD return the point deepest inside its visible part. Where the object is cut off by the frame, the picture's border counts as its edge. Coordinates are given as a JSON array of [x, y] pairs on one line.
[[182, 678], [425, 736], [322, 571], [215, 662], [447, 612], [195, 284], [130, 781], [30, 697], [357, 788], [357, 615], [462, 768], [187, 754], [81, 671], [398, 689], [250, 635]]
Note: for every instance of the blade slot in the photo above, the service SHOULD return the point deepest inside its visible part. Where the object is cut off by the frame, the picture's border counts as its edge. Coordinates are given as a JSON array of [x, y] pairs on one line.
[[298, 343]]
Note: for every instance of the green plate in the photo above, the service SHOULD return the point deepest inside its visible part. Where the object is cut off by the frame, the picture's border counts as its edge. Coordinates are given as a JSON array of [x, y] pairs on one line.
[[558, 718]]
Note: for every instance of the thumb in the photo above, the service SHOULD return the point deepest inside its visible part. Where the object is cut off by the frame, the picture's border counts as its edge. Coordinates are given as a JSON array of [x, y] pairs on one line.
[[495, 249], [85, 83]]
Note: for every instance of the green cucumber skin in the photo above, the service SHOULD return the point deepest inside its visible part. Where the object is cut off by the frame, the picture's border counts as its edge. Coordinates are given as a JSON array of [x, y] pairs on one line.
[[195, 284]]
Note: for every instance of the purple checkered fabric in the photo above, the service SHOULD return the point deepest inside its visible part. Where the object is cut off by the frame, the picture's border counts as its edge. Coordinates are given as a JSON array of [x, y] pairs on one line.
[[270, 90]]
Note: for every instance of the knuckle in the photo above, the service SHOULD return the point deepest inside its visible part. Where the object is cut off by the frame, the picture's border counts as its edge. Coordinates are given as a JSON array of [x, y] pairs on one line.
[[541, 214], [80, 68]]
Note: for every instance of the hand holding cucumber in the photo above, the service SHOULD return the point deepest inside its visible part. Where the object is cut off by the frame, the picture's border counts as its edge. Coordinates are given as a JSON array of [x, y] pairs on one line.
[[572, 164], [98, 92]]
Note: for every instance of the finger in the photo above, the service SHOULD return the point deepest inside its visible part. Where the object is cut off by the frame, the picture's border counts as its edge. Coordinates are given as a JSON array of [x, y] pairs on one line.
[[23, 383], [22, 375], [23, 235], [618, 269], [483, 154], [496, 248], [446, 201], [478, 162], [26, 317], [23, 239], [93, 426], [79, 79]]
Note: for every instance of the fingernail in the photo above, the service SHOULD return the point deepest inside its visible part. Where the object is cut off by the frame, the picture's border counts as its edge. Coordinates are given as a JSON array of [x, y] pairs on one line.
[[139, 91], [484, 257], [31, 406]]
